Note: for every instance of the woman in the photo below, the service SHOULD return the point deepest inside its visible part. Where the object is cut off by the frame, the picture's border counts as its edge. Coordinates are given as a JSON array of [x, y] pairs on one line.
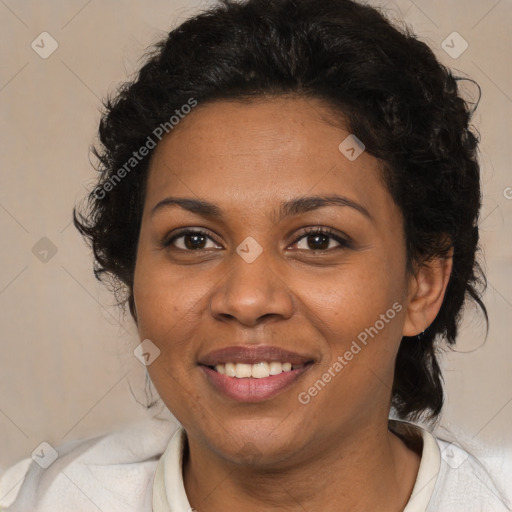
[[289, 196]]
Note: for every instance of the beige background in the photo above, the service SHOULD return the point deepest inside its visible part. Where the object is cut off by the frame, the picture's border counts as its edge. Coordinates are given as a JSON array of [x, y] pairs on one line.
[[66, 362]]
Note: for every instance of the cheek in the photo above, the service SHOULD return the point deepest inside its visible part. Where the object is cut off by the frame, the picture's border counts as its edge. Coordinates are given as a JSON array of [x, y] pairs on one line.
[[358, 294], [360, 318], [166, 308], [361, 303]]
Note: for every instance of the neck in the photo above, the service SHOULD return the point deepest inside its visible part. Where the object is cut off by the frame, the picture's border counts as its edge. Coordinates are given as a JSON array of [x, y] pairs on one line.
[[370, 470]]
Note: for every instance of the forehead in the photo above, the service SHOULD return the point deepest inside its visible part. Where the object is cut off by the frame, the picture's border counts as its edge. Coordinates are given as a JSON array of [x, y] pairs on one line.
[[261, 151]]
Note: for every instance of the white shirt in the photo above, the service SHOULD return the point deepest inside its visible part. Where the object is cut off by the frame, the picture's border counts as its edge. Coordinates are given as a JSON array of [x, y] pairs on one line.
[[140, 469]]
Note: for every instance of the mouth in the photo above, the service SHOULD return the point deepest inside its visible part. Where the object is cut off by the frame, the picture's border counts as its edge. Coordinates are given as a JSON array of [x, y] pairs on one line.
[[253, 374], [260, 370]]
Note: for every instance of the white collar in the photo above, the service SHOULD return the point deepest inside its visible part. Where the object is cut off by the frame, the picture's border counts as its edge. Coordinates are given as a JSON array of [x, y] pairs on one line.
[[169, 490], [430, 464]]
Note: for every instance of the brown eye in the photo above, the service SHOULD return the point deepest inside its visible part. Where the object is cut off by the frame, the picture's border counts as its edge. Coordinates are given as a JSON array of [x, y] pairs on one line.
[[192, 240], [321, 239]]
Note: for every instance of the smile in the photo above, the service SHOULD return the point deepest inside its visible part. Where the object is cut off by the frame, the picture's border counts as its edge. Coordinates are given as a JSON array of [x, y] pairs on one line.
[[262, 386], [259, 370]]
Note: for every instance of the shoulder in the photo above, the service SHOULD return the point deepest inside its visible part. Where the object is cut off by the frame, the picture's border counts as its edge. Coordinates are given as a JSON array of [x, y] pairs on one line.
[[463, 484], [449, 477], [109, 472]]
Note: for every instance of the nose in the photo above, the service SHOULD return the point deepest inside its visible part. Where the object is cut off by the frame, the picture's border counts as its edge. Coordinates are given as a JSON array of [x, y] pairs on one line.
[[252, 293]]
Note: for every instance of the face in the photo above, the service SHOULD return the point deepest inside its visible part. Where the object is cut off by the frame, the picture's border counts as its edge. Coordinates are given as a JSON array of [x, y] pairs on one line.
[[247, 274]]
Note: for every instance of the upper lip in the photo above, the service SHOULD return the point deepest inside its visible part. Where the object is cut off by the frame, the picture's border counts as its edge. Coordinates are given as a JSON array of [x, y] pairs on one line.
[[251, 355]]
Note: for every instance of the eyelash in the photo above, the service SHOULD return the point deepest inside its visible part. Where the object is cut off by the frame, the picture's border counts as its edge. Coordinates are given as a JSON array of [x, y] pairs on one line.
[[344, 243]]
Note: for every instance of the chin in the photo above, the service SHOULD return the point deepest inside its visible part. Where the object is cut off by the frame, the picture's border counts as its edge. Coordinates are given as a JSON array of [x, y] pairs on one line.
[[257, 446]]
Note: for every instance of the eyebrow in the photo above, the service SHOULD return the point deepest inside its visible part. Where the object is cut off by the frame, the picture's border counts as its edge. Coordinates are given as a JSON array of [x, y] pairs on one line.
[[286, 209]]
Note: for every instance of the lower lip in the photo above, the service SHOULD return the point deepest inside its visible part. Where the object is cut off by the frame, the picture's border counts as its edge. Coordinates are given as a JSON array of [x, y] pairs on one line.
[[251, 389]]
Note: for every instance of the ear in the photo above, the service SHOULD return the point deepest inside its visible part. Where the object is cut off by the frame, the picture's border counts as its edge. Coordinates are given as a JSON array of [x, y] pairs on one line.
[[426, 292]]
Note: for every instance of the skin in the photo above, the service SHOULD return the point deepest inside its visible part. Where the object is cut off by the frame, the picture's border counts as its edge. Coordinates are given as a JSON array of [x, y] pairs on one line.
[[336, 452]]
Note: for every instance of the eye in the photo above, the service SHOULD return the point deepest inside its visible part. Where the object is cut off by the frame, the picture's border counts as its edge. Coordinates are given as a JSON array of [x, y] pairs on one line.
[[319, 239], [193, 240], [315, 239]]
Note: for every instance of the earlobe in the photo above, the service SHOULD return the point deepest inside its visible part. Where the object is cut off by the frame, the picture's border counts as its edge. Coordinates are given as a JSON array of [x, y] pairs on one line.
[[427, 289]]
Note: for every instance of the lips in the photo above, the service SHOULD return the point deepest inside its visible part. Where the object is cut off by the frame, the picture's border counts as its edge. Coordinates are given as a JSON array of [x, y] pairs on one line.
[[253, 355], [249, 388]]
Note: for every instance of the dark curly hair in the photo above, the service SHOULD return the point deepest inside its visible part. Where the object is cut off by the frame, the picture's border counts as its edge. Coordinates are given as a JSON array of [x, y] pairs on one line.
[[386, 84]]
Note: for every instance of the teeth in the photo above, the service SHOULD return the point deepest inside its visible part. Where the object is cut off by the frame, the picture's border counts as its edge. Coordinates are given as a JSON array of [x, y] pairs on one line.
[[275, 368], [257, 371], [230, 369], [243, 370]]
